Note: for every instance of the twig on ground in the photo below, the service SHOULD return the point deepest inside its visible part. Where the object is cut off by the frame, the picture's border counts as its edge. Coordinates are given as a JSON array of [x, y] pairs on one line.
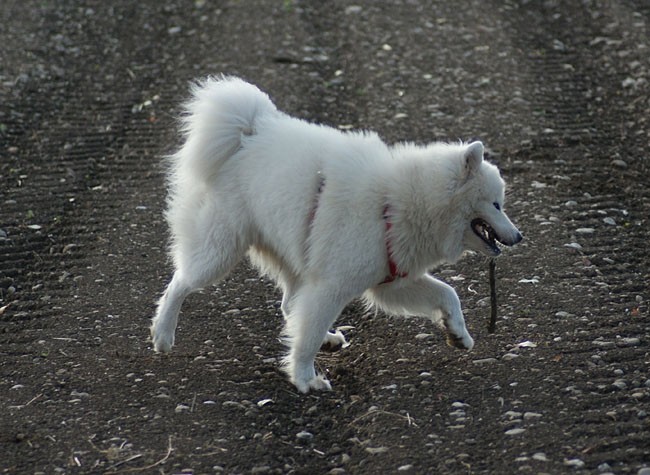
[[409, 420], [22, 406], [493, 297], [148, 467]]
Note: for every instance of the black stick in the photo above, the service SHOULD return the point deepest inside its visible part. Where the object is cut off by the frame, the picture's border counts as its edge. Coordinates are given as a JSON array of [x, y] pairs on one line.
[[493, 297]]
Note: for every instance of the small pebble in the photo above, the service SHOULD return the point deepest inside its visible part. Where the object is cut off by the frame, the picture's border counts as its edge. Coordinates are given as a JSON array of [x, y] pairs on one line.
[[516, 431], [304, 436], [532, 415], [261, 469], [353, 9], [603, 344], [573, 245], [232, 404], [376, 450], [485, 361], [527, 344], [628, 342], [577, 463]]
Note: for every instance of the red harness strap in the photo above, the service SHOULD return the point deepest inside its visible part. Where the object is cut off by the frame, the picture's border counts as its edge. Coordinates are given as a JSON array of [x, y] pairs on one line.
[[392, 265]]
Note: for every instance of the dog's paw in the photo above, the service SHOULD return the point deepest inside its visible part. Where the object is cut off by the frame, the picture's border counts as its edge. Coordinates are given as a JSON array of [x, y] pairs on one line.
[[162, 342], [317, 383], [334, 342], [456, 331], [465, 342]]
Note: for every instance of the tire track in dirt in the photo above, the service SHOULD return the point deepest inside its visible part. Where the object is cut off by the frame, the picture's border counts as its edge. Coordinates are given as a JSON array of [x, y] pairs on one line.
[[47, 246], [572, 58]]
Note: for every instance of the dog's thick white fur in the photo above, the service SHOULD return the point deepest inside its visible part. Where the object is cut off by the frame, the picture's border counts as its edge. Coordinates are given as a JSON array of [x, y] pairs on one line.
[[329, 215]]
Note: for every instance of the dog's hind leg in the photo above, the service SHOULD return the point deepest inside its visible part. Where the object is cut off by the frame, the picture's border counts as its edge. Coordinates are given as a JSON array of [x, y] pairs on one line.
[[201, 261], [425, 297], [163, 326]]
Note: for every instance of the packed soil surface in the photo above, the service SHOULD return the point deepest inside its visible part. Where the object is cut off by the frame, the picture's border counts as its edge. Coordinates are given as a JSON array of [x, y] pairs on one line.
[[90, 93]]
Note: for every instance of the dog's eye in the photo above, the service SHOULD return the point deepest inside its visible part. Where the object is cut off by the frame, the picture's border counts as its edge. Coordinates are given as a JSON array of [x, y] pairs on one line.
[[497, 206]]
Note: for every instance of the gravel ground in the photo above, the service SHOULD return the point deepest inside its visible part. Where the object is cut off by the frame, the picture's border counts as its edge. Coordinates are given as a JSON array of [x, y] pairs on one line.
[[89, 94]]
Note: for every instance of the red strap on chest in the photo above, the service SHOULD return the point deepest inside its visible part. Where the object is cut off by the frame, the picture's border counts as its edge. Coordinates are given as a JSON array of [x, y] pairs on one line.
[[392, 265]]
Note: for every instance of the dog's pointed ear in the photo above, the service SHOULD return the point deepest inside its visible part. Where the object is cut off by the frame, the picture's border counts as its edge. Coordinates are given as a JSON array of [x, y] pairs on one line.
[[473, 157]]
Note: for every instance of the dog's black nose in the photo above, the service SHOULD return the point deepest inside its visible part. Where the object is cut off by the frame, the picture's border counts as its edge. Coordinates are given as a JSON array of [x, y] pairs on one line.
[[512, 239]]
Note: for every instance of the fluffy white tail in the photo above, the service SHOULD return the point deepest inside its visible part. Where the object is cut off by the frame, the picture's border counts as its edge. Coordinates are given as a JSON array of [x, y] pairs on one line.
[[221, 111]]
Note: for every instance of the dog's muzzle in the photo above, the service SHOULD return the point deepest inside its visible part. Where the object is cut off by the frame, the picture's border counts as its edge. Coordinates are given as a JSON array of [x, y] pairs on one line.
[[490, 236]]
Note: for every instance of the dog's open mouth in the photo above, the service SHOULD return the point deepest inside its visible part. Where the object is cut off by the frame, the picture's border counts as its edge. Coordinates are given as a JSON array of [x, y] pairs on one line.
[[487, 234]]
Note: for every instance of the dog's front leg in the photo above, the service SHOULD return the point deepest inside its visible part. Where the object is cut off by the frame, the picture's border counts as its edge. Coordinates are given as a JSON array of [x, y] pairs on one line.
[[454, 323], [446, 304], [425, 297]]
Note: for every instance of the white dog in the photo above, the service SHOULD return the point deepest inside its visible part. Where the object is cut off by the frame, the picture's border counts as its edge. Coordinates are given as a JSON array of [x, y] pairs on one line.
[[329, 215]]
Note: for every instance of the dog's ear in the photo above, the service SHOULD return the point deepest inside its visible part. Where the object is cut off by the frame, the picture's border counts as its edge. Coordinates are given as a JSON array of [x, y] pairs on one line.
[[473, 157]]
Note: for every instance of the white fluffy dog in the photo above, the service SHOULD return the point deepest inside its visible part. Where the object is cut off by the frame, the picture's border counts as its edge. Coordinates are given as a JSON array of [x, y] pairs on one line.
[[329, 215]]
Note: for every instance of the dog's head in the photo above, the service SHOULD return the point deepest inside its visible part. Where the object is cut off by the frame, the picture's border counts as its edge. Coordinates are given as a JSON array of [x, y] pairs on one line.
[[483, 192]]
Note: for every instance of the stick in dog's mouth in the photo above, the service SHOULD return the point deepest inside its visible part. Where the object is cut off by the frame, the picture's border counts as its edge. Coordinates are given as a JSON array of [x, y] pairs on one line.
[[483, 230]]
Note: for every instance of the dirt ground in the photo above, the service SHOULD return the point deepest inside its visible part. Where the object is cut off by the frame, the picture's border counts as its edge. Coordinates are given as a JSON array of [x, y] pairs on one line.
[[89, 96]]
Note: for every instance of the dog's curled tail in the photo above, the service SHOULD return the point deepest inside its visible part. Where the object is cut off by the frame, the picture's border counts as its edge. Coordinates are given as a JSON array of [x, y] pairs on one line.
[[221, 111]]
